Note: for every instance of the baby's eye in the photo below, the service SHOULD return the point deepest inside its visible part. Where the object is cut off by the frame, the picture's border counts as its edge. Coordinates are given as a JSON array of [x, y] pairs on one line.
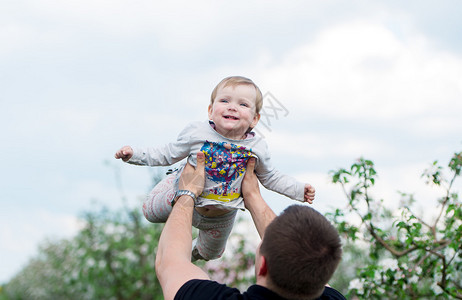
[[224, 100], [244, 104]]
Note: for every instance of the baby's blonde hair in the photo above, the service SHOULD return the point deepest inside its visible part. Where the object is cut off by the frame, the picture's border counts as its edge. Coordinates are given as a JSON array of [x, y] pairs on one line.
[[237, 80]]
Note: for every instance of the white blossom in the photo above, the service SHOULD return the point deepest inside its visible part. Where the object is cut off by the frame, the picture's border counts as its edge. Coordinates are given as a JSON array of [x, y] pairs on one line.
[[144, 248], [139, 284], [131, 256], [418, 239], [75, 274], [102, 264], [357, 284], [148, 238], [414, 279], [457, 224], [389, 263], [449, 252], [80, 252], [377, 276], [114, 229], [90, 262], [117, 237], [103, 246], [115, 265], [436, 288]]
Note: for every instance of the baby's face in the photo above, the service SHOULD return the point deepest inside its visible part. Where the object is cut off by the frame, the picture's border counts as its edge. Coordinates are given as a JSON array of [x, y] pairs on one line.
[[233, 110]]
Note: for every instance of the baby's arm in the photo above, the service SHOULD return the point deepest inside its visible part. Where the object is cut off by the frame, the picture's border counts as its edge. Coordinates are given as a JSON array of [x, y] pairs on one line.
[[164, 155], [286, 185], [276, 181], [125, 153]]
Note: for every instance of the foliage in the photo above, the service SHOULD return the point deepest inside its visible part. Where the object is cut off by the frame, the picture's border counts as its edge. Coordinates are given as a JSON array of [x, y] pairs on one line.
[[408, 258], [391, 254], [112, 257], [353, 258]]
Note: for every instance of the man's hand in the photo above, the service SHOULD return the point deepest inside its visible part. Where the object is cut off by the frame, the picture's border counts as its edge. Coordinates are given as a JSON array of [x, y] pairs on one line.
[[125, 153], [249, 187], [173, 258], [309, 194], [261, 213], [193, 179]]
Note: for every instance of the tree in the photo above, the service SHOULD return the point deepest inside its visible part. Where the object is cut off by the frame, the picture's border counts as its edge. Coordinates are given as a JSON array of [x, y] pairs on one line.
[[409, 257], [112, 257]]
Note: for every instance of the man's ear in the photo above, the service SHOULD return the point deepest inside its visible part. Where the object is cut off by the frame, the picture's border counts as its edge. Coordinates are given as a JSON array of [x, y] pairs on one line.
[[210, 111], [255, 120], [262, 270]]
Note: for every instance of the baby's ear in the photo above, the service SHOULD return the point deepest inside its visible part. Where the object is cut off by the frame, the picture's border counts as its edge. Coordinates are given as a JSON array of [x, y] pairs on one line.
[[256, 118], [210, 110]]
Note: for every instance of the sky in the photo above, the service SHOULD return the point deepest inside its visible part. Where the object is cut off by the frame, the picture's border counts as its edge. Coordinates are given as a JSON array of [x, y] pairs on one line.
[[79, 79]]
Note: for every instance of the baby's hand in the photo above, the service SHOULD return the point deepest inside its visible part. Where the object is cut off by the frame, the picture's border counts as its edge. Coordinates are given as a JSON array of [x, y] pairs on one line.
[[125, 153], [309, 194]]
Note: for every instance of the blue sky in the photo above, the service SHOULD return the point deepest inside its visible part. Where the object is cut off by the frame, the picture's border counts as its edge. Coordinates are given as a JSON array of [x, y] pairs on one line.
[[79, 79]]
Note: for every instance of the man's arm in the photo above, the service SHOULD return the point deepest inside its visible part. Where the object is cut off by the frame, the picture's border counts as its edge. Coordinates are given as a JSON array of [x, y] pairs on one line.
[[173, 260], [261, 213]]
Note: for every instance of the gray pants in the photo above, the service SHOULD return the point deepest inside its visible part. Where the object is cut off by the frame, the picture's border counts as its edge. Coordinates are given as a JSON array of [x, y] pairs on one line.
[[213, 231]]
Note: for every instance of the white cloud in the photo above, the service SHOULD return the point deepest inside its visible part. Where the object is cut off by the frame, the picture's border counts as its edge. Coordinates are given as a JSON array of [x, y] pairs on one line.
[[363, 70], [434, 126], [14, 37], [314, 145], [178, 26]]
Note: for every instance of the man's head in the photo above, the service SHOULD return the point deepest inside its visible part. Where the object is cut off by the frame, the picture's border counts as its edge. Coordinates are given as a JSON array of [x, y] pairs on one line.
[[301, 251]]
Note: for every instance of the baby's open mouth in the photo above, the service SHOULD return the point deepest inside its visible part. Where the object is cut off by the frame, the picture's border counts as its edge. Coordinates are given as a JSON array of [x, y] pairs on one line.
[[231, 117]]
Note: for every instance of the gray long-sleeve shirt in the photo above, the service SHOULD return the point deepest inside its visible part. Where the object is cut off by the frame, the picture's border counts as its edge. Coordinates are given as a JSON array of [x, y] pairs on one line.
[[226, 161]]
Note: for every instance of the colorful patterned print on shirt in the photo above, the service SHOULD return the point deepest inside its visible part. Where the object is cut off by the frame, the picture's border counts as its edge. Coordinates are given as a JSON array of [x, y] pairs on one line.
[[224, 163]]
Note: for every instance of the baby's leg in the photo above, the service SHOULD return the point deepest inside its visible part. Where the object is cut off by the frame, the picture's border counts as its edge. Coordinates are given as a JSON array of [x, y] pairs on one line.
[[157, 205], [213, 235]]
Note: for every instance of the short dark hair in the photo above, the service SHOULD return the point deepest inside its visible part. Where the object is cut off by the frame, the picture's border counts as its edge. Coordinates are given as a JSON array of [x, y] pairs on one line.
[[302, 251]]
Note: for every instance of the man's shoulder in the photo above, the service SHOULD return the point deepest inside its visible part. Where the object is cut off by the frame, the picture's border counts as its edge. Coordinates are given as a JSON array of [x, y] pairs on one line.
[[206, 289], [331, 293]]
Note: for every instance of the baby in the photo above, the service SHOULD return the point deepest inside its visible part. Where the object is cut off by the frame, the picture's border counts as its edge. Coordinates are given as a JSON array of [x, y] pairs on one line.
[[227, 141]]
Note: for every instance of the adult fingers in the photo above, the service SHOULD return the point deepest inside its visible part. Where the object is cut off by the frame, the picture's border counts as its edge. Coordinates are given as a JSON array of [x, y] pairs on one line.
[[251, 165], [200, 161]]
